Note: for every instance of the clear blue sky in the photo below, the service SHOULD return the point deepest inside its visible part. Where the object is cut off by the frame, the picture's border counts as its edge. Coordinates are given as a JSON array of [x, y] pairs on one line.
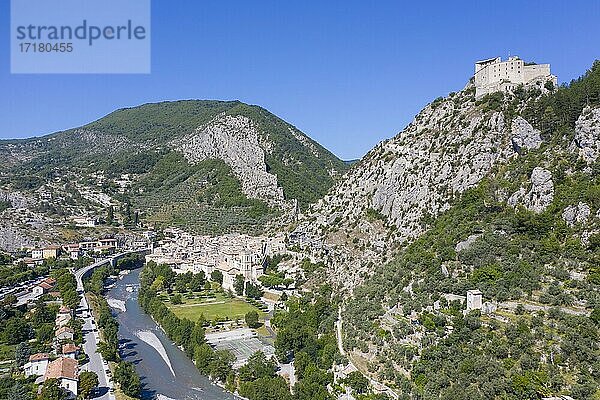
[[347, 73]]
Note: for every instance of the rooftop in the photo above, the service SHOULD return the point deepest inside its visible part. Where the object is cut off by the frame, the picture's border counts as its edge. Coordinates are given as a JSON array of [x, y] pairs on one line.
[[39, 357], [69, 348], [62, 368]]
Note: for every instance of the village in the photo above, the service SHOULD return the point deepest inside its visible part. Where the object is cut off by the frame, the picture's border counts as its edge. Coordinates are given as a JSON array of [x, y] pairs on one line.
[[232, 255]]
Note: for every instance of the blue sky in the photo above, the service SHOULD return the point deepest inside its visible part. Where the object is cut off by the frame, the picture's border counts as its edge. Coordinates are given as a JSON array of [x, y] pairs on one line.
[[347, 73]]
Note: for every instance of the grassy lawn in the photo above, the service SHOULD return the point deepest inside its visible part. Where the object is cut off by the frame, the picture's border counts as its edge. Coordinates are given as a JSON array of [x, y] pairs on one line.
[[217, 305], [7, 352]]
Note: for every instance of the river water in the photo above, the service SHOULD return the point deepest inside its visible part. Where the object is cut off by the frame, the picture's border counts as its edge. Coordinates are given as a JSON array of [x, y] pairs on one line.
[[180, 380]]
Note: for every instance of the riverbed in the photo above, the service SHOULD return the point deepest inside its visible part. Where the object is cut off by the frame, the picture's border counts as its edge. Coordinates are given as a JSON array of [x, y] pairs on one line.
[[165, 370]]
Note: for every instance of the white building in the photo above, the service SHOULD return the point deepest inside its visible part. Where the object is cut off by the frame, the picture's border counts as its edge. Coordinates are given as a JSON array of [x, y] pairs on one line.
[[37, 365], [85, 222], [495, 75], [37, 254], [64, 333], [473, 300], [70, 350]]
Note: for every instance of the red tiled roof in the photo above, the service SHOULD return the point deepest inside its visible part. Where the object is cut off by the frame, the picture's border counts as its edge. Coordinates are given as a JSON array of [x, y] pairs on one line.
[[39, 357], [69, 348], [62, 368]]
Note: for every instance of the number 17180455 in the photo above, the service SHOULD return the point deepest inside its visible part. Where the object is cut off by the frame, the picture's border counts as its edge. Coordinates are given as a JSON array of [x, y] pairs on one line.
[[38, 47]]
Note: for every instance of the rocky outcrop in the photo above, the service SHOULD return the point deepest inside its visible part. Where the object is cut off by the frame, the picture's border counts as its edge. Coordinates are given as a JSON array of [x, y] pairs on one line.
[[15, 199], [237, 141], [466, 244], [12, 238], [524, 136], [540, 195], [587, 134], [448, 148], [576, 214]]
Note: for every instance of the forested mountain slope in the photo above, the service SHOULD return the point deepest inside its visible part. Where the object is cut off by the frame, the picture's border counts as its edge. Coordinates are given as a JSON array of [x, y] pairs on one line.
[[526, 233]]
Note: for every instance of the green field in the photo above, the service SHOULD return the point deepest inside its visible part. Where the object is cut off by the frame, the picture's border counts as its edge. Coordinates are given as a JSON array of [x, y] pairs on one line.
[[7, 352], [218, 306]]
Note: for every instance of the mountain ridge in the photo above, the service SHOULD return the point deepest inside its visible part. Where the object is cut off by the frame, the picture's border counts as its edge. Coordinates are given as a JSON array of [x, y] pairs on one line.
[[135, 158]]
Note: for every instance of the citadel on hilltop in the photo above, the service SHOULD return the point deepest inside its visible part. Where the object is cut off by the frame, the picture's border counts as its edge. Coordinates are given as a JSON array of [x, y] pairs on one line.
[[495, 75]]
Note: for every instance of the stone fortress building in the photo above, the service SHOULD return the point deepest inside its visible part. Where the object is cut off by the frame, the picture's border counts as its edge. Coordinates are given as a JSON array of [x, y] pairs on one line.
[[494, 75]]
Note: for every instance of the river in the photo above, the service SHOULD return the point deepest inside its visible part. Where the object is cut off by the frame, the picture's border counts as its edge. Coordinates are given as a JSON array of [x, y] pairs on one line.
[[165, 370]]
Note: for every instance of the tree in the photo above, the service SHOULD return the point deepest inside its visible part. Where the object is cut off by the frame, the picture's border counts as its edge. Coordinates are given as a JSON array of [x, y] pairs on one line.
[[127, 215], [17, 330], [198, 337], [110, 215], [257, 367], [220, 365], [176, 299], [595, 316], [22, 353], [181, 284], [128, 379], [283, 297], [197, 282], [51, 390], [238, 285], [357, 382], [9, 300], [88, 381], [158, 284], [275, 388], [18, 392], [203, 355], [252, 319], [217, 276], [253, 291], [71, 298]]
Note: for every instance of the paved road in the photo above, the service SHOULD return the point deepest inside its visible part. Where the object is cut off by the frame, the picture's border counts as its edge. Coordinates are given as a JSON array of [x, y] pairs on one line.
[[96, 363]]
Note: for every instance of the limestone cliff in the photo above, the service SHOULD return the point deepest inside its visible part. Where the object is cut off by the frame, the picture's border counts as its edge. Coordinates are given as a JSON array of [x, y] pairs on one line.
[[237, 141], [392, 194]]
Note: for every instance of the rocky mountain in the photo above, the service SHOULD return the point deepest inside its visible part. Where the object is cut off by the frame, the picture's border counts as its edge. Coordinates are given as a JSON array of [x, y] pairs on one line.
[[207, 166], [499, 195]]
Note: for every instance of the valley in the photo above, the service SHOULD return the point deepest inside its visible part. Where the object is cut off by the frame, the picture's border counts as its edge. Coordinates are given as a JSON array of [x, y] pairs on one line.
[[456, 260]]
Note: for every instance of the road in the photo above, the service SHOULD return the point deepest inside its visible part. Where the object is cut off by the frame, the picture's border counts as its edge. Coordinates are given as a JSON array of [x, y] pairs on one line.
[[90, 344], [80, 273]]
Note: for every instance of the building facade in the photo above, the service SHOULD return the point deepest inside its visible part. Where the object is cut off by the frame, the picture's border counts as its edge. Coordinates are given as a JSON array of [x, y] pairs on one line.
[[494, 75], [474, 300]]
